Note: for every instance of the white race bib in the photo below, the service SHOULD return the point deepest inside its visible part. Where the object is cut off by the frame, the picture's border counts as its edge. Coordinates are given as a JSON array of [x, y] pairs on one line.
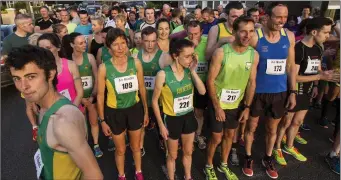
[[149, 82], [126, 84], [275, 66], [38, 162], [229, 95], [202, 67], [87, 82], [312, 66], [183, 104], [66, 93]]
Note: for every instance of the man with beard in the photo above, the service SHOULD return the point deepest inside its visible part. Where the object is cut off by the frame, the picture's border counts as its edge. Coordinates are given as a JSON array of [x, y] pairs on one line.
[[232, 75]]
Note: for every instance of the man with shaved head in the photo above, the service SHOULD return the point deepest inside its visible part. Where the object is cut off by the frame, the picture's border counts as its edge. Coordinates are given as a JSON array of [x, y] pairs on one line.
[[166, 12], [20, 36]]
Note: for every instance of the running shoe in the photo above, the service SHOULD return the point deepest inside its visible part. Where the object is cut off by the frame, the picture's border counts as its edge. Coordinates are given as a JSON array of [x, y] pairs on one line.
[[210, 173], [98, 152], [270, 168], [331, 139], [247, 169], [161, 144], [333, 163], [143, 152], [323, 122], [201, 141], [234, 160], [299, 139], [305, 127], [139, 176], [151, 126], [228, 173], [318, 105], [278, 155], [111, 145], [121, 178], [294, 152], [332, 123]]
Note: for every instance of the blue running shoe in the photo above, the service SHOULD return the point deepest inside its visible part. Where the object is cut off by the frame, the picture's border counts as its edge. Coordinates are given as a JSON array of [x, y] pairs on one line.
[[98, 152]]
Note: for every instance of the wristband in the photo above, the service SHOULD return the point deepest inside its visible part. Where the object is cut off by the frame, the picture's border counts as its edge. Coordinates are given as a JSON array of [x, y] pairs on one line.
[[101, 120], [293, 92], [246, 106], [34, 127]]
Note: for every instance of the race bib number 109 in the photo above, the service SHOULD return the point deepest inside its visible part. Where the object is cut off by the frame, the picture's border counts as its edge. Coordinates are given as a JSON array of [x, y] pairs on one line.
[[126, 84]]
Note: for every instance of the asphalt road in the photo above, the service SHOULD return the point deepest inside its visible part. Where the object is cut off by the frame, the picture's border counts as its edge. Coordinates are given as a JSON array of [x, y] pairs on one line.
[[18, 149]]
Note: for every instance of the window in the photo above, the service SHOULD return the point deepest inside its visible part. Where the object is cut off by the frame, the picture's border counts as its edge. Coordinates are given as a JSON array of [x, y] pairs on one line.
[[190, 4]]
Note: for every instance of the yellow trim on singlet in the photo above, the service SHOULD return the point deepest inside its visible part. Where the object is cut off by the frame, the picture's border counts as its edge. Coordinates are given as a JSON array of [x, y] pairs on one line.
[[64, 167], [167, 101], [223, 31], [111, 95], [260, 33], [283, 32]]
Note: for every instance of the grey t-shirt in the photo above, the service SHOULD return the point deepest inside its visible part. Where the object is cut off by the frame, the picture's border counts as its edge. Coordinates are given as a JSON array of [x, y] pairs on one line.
[[13, 41]]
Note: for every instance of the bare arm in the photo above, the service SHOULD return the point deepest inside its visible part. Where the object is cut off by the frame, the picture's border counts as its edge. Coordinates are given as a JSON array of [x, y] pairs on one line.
[[70, 132], [159, 81], [78, 83], [213, 44], [165, 60], [197, 82], [99, 57], [291, 66], [100, 90], [142, 88], [213, 72]]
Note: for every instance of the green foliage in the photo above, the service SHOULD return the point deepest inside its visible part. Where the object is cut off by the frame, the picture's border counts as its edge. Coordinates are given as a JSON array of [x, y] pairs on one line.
[[155, 4], [20, 5]]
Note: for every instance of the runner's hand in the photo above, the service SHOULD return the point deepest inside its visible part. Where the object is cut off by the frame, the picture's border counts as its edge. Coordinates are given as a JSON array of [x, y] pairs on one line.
[[244, 116], [330, 75], [85, 102], [145, 120], [194, 63], [329, 52], [315, 92], [291, 103], [219, 114], [106, 129], [164, 132]]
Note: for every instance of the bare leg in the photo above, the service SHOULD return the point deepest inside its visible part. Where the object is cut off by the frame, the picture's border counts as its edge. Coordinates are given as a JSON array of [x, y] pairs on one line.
[[282, 128], [271, 134], [212, 146], [142, 137], [293, 128], [120, 145], [134, 138], [199, 116], [187, 148], [93, 122], [172, 155], [251, 127], [226, 144]]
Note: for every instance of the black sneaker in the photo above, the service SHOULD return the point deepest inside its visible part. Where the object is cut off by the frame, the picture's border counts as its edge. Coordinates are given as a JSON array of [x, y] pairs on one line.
[[305, 127], [270, 168], [318, 106], [323, 122]]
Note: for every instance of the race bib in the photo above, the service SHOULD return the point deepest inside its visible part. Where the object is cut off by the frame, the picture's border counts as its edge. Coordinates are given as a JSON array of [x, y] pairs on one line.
[[38, 163], [66, 93], [275, 66], [126, 84], [202, 67], [149, 82], [312, 66], [183, 104], [87, 82], [229, 95]]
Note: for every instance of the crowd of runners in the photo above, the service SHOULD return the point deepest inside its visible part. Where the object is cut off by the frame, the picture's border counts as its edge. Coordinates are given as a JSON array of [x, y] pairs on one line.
[[178, 73]]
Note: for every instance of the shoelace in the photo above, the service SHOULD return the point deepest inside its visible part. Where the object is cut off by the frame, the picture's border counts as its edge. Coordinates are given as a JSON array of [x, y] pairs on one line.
[[211, 172], [279, 152], [201, 140], [249, 163], [270, 164]]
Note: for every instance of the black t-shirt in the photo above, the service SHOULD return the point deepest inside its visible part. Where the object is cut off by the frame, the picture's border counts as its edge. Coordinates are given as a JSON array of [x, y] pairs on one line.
[[45, 24], [309, 59]]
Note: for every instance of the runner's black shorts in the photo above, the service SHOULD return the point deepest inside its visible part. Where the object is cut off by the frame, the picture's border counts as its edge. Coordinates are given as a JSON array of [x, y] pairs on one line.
[[302, 103], [231, 121], [200, 101], [130, 118], [270, 104], [177, 125]]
